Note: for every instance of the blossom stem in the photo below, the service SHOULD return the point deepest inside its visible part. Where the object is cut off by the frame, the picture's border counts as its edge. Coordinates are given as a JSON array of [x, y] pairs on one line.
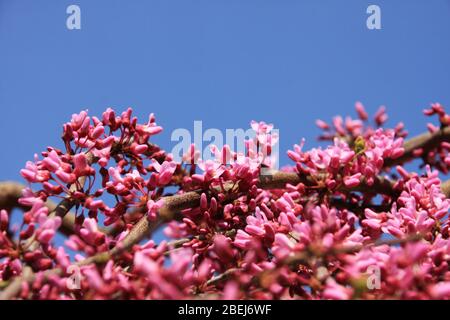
[[10, 192], [424, 142]]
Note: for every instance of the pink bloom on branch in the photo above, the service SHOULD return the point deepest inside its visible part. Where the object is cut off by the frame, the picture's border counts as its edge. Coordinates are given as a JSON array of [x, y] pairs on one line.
[[336, 291], [153, 208], [231, 291], [361, 111], [150, 128], [4, 219], [94, 279], [79, 120], [65, 177], [52, 161], [249, 228], [338, 123], [322, 124], [242, 239], [90, 232], [282, 246], [139, 148], [82, 167], [437, 108], [47, 228], [97, 132], [261, 127], [223, 249], [211, 168], [32, 174], [28, 197], [353, 181], [165, 170], [380, 116], [62, 258], [440, 290]]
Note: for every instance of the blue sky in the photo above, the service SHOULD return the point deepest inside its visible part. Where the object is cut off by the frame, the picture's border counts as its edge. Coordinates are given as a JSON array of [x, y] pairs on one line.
[[222, 62]]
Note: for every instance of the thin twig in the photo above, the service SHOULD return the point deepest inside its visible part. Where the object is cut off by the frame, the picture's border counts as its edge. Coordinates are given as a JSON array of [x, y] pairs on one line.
[[11, 192]]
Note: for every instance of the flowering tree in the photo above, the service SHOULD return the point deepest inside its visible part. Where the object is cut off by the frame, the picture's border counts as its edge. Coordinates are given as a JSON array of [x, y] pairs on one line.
[[346, 221]]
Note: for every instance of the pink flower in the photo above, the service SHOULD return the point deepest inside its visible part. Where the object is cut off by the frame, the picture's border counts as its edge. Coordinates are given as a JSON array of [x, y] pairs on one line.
[[144, 264], [153, 208], [261, 127], [222, 248], [28, 197], [282, 246], [320, 158], [94, 279], [231, 291], [47, 228], [109, 117], [52, 161], [34, 175], [211, 168], [97, 132], [4, 220], [62, 258], [440, 290], [310, 233], [89, 232], [361, 111], [322, 124], [353, 180], [82, 167], [381, 116], [242, 239], [150, 128], [165, 170], [334, 291], [79, 120]]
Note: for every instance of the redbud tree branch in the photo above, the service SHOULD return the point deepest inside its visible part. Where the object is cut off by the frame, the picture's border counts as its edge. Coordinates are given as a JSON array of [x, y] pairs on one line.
[[10, 192], [173, 204], [423, 142], [302, 258], [143, 228]]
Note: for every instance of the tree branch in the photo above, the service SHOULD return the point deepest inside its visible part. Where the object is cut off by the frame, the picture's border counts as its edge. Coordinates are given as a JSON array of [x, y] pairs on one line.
[[425, 141], [10, 193], [173, 204]]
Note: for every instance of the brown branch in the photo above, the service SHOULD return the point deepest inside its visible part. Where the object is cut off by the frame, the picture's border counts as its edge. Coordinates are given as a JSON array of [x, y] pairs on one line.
[[425, 141], [445, 187], [10, 193], [221, 276], [143, 228], [302, 257], [173, 204], [278, 180]]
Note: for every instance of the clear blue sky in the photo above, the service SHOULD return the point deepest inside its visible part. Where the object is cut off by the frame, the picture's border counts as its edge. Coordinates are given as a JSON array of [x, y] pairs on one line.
[[223, 62]]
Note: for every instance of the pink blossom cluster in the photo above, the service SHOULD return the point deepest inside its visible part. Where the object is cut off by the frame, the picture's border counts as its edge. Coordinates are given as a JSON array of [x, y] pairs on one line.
[[353, 226], [112, 155], [439, 155], [342, 165], [420, 208]]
